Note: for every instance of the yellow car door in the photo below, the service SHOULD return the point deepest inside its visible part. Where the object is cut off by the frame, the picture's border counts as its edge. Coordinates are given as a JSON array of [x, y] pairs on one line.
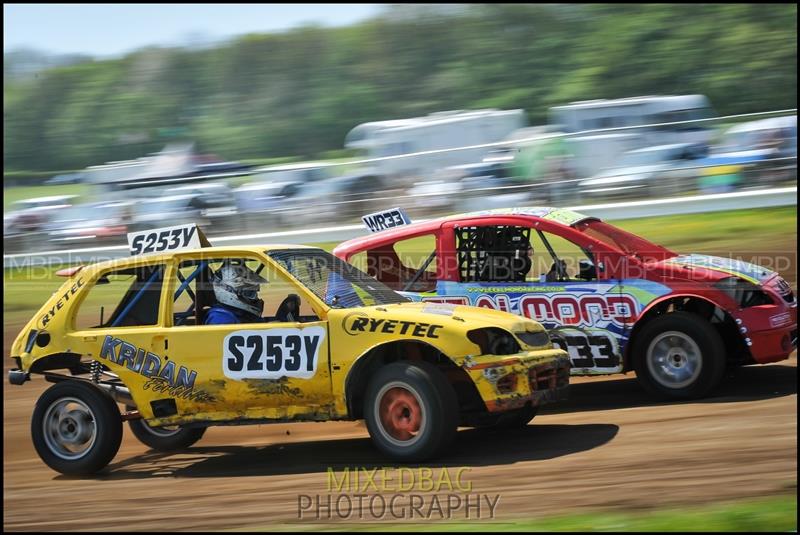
[[277, 368]]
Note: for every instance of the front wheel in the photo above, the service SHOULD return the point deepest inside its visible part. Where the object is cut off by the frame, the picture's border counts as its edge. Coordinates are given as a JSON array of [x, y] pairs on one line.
[[76, 428], [679, 356], [411, 411], [167, 438]]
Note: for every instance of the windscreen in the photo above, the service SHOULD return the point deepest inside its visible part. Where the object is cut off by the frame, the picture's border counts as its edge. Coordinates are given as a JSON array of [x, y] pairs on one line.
[[628, 243], [337, 283]]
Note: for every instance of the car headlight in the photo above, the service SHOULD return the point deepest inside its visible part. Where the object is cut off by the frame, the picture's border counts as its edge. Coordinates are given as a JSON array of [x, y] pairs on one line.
[[494, 341], [534, 339], [744, 293]]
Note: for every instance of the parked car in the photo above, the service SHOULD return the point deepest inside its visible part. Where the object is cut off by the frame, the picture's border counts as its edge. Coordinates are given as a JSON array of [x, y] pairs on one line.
[[759, 152], [434, 195], [255, 197], [53, 201], [96, 223], [615, 301], [33, 215], [654, 172], [775, 137], [215, 203], [339, 198], [68, 178], [259, 203], [166, 210], [495, 171], [295, 172]]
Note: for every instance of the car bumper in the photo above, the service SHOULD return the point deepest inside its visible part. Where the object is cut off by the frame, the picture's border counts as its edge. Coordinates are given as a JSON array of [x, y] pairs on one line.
[[774, 344], [769, 331], [528, 378]]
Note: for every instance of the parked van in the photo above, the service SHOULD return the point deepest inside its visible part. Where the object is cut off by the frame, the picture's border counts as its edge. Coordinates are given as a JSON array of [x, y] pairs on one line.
[[661, 111], [434, 132]]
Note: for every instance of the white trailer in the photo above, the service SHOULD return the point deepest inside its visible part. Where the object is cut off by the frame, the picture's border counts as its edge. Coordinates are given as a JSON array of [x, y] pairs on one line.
[[437, 131], [593, 115]]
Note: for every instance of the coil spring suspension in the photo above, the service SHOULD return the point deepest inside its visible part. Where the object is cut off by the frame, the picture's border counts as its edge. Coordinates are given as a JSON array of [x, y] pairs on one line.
[[95, 371]]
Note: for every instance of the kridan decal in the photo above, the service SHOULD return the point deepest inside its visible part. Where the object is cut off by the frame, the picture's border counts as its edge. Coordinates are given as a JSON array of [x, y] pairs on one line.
[[145, 363]]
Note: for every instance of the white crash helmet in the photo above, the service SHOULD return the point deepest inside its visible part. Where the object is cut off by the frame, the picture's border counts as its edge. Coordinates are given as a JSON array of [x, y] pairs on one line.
[[237, 286]]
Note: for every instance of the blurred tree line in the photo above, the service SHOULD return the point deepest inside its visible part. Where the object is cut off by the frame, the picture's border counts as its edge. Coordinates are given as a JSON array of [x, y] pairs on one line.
[[299, 92]]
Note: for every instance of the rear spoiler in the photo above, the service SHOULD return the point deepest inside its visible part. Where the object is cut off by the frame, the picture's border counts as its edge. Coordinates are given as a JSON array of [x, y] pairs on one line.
[[68, 272]]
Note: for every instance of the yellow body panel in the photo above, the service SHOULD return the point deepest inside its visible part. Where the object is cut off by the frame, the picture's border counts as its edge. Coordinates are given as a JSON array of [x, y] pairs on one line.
[[188, 363]]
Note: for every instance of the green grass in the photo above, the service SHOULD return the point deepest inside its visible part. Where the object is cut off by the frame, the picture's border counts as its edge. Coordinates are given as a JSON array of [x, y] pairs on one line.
[[758, 229], [27, 192], [778, 513]]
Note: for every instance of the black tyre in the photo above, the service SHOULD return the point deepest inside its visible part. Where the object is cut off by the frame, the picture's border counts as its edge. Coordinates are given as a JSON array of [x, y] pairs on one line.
[[411, 411], [169, 438], [76, 428], [679, 356]]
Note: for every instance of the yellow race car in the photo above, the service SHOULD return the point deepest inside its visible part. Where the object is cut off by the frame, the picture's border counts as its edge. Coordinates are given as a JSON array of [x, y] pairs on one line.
[[334, 345]]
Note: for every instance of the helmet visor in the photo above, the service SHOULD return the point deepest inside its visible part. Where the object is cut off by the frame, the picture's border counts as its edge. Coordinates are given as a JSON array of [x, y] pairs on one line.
[[250, 293]]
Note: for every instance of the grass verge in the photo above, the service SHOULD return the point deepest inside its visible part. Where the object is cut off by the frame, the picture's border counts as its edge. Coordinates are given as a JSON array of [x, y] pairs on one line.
[[776, 513]]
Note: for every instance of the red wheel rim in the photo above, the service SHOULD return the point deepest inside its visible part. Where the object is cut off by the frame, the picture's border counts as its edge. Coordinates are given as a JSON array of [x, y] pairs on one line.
[[400, 414]]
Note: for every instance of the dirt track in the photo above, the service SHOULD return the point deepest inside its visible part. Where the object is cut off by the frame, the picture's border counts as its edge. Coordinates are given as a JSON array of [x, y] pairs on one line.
[[609, 446]]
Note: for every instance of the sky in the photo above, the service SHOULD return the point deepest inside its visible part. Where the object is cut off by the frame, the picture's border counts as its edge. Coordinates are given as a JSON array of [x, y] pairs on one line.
[[106, 30]]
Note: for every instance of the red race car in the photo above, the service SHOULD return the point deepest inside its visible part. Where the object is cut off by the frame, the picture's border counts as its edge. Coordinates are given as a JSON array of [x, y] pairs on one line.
[[616, 302]]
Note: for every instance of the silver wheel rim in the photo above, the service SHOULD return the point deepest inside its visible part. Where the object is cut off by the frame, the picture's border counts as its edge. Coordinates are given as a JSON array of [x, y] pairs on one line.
[[70, 428], [379, 422], [674, 359]]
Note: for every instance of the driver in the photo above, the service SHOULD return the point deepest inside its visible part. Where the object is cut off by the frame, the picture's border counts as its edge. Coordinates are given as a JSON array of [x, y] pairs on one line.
[[236, 288]]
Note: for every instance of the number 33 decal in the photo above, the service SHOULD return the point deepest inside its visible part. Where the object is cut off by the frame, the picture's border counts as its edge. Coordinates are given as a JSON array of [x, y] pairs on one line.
[[588, 349]]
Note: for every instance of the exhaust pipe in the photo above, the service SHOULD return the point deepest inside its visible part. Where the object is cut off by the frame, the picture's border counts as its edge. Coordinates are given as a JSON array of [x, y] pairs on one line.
[[18, 377], [120, 394]]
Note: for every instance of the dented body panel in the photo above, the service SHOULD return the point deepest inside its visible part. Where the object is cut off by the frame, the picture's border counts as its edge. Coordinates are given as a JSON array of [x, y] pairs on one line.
[[250, 373]]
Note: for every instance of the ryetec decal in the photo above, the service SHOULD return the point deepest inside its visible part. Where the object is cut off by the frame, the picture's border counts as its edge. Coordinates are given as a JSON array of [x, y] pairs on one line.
[[146, 363], [358, 322], [272, 353], [50, 314]]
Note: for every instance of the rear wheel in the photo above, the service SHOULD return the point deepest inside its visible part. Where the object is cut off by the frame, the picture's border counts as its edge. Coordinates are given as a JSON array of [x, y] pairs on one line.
[[411, 411], [679, 356], [167, 438], [76, 428]]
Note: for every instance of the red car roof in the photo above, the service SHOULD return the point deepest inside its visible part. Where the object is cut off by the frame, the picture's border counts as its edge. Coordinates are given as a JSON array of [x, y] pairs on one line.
[[557, 215]]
